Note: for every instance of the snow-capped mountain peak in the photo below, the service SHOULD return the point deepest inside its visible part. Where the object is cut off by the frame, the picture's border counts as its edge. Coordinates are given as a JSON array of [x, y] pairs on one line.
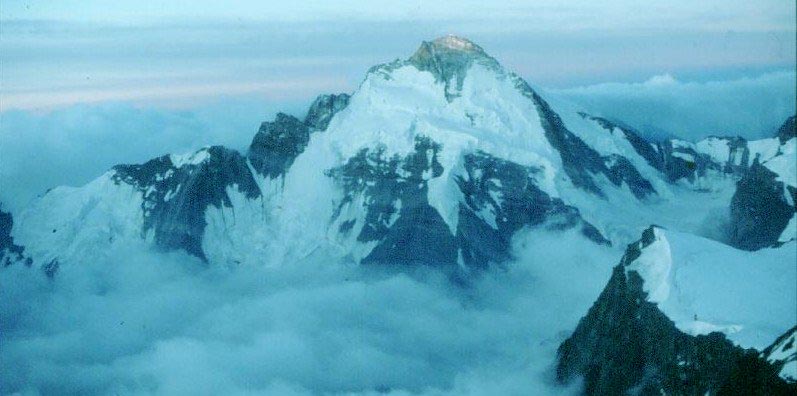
[[444, 155]]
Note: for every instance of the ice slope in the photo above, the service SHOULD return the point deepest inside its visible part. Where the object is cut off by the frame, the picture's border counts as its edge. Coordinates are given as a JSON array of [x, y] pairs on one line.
[[83, 222], [705, 286]]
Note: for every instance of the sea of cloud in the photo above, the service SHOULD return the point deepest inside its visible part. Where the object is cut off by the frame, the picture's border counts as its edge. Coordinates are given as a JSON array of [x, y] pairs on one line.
[[663, 106], [164, 323]]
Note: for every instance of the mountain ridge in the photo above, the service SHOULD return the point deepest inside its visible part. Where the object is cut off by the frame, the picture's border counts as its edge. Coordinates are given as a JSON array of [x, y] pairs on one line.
[[561, 158]]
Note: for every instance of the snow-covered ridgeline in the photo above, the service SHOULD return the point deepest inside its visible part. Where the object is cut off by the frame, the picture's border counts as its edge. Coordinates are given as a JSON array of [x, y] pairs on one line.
[[705, 286], [281, 197]]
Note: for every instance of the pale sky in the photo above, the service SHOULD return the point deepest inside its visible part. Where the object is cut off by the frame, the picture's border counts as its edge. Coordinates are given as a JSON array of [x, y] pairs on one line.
[[57, 53]]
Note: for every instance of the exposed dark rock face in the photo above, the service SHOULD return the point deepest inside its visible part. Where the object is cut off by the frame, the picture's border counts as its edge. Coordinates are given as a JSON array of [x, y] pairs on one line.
[[409, 231], [788, 130], [397, 211], [10, 252], [626, 345], [277, 144], [51, 268], [323, 109], [621, 170], [739, 156], [759, 209], [580, 161], [684, 162], [176, 197], [508, 192], [644, 148], [782, 352]]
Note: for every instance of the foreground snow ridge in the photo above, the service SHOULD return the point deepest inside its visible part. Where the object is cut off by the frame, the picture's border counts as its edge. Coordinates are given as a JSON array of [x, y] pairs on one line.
[[704, 286], [654, 265]]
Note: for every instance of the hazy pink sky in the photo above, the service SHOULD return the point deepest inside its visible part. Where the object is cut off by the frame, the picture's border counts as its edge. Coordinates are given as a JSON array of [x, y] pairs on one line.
[[176, 53]]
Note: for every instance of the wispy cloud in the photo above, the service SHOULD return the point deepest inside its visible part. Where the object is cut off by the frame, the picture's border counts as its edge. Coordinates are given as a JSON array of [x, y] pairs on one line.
[[171, 94]]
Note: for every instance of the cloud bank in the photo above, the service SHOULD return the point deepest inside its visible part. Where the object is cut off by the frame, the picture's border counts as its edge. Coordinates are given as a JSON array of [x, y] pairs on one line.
[[664, 106], [72, 146], [153, 323]]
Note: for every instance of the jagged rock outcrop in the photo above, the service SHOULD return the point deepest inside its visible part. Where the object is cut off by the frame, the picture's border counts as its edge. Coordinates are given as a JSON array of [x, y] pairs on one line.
[[10, 252], [397, 216], [277, 143], [760, 209], [678, 159], [788, 130], [324, 108], [783, 355], [627, 345], [764, 201]]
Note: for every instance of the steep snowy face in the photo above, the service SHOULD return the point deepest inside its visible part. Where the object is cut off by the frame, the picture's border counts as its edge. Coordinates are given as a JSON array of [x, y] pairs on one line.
[[496, 157], [80, 223], [704, 286]]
